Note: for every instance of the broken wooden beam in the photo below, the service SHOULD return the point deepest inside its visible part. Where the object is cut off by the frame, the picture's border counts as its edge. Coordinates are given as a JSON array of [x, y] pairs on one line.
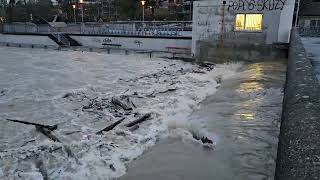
[[54, 138], [168, 90], [139, 120], [123, 105], [206, 140], [109, 128], [47, 133], [51, 128]]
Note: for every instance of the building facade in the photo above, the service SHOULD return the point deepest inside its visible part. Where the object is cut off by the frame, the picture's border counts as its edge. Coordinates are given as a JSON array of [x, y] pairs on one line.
[[251, 21], [309, 15]]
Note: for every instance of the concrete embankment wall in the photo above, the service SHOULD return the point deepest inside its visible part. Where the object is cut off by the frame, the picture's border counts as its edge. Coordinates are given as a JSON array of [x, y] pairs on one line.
[[299, 142], [94, 41], [246, 49], [27, 40], [134, 42]]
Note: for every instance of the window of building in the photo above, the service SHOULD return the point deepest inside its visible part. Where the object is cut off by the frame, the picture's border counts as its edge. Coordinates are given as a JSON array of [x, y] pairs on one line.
[[248, 22]]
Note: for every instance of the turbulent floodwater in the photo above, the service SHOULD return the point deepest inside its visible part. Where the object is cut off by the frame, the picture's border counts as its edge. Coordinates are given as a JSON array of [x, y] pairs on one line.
[[243, 118], [74, 90]]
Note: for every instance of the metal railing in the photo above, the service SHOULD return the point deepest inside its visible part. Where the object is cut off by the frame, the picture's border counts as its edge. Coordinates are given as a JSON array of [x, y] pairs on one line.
[[309, 31], [156, 28]]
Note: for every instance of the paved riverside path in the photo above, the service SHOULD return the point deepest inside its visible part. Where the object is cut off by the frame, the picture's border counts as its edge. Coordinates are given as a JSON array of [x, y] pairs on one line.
[[243, 118], [312, 46]]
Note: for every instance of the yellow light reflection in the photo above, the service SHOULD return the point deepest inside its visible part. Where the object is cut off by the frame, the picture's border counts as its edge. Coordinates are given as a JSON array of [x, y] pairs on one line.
[[246, 116], [252, 84]]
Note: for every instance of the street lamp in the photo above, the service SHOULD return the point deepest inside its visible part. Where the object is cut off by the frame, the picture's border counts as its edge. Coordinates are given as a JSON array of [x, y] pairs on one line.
[[143, 3], [74, 13], [81, 3]]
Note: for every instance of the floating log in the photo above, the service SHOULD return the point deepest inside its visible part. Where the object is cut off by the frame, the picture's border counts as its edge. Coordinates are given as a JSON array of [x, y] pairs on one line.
[[52, 137], [154, 93], [47, 133], [206, 140], [42, 169], [51, 128], [198, 71], [140, 120], [72, 132], [123, 105], [67, 95], [203, 139], [109, 128], [168, 90], [133, 128]]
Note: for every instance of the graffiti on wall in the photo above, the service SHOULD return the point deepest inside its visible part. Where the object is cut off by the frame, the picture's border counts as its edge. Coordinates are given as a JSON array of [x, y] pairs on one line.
[[107, 40], [203, 18], [137, 42], [258, 5], [205, 21]]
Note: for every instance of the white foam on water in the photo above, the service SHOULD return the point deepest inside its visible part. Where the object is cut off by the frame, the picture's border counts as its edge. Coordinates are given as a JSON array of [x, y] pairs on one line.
[[1, 173], [103, 156]]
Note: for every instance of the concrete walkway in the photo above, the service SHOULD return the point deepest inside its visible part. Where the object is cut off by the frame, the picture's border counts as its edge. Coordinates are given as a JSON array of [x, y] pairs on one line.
[[244, 114], [312, 46]]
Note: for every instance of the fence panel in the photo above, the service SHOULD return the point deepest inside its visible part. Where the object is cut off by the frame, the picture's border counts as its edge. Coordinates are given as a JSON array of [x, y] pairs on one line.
[[309, 31], [116, 28]]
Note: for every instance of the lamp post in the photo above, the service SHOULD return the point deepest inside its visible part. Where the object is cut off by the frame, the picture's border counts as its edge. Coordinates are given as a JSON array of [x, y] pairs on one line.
[[81, 3], [74, 13], [143, 3]]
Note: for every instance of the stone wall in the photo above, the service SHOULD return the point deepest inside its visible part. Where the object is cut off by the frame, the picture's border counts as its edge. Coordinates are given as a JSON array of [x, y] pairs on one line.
[[299, 140], [27, 41]]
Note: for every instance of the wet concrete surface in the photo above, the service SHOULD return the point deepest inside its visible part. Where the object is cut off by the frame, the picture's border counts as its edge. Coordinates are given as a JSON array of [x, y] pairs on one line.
[[244, 116], [312, 46]]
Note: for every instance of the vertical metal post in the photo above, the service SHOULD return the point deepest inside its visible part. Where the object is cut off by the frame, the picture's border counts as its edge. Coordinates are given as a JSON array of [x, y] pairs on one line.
[[74, 15], [143, 14], [191, 2], [143, 25], [222, 31], [297, 14], [222, 25], [82, 13]]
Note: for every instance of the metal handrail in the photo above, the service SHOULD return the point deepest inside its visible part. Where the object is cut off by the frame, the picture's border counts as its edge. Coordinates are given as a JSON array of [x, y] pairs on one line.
[[309, 31], [106, 29]]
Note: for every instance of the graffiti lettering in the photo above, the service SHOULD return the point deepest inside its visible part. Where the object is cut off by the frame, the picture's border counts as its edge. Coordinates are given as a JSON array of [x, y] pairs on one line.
[[259, 5], [137, 42], [107, 40]]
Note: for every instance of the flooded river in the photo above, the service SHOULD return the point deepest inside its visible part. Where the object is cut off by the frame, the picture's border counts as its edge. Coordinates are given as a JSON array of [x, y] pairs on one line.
[[243, 117], [236, 105]]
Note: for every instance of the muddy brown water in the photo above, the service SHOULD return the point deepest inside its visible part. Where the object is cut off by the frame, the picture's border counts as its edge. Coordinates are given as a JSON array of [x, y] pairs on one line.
[[244, 114]]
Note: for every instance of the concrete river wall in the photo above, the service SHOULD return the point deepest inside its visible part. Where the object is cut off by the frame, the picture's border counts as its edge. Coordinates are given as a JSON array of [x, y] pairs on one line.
[[298, 150], [95, 41]]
